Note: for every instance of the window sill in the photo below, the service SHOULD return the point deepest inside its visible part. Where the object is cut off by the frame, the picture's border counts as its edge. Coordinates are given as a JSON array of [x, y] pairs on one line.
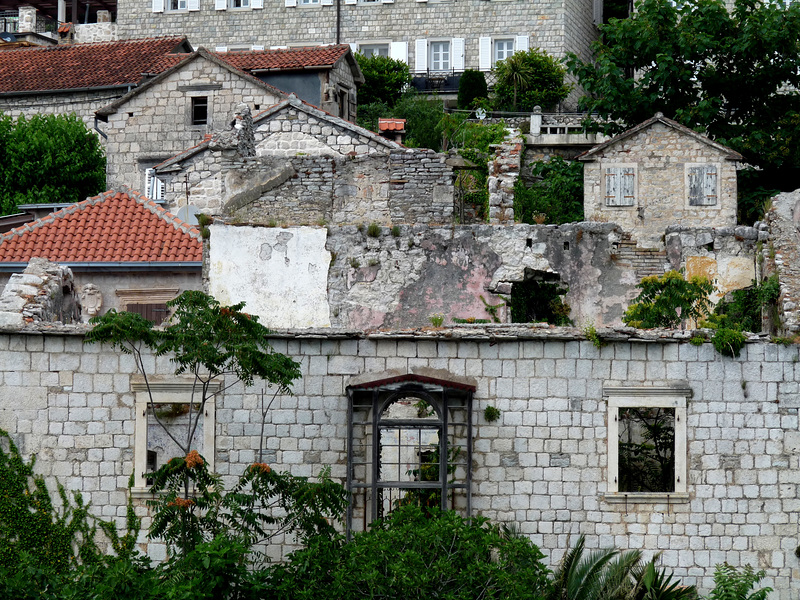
[[142, 493], [645, 497]]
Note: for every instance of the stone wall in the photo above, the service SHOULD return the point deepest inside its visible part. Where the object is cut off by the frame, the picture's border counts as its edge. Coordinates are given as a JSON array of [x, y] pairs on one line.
[[82, 104], [660, 154], [87, 33], [156, 123], [43, 292], [543, 466], [504, 170], [781, 255]]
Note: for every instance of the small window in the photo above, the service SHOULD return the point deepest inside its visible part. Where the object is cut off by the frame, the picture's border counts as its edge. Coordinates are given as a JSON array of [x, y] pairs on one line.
[[200, 110], [309, 2], [503, 49], [620, 186], [646, 441], [701, 184], [157, 313], [374, 49], [240, 3], [440, 56], [154, 187], [177, 5]]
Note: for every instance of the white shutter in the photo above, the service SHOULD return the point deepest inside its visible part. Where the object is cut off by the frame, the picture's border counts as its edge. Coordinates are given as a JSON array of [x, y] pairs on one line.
[[485, 53], [597, 10], [256, 3], [158, 5], [399, 51], [388, 1], [421, 56], [193, 5], [221, 49], [458, 54], [148, 181], [350, 1], [521, 44], [327, 2], [161, 189], [258, 46], [220, 4]]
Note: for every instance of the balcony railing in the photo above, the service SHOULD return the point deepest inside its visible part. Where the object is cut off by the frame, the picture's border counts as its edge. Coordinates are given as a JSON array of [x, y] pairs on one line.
[[9, 21], [444, 82]]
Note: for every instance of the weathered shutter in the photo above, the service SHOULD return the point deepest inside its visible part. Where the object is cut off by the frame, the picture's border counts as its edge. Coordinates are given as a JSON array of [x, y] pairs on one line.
[[612, 187], [256, 3], [193, 5], [521, 43], [711, 185], [421, 56], [628, 186], [399, 51], [702, 181], [620, 186], [157, 313], [485, 53], [158, 6], [458, 54], [220, 4]]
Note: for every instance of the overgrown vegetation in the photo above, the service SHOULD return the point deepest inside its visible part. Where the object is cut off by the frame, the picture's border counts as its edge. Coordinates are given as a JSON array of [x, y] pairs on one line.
[[46, 159], [471, 87], [747, 307], [556, 197], [385, 80], [539, 301], [669, 301], [528, 79]]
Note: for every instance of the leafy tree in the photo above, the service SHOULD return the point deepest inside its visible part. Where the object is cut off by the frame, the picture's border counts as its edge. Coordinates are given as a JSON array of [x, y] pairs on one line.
[[725, 73], [385, 79], [471, 86], [528, 79], [557, 197], [668, 301], [48, 158], [422, 117], [414, 554], [368, 114]]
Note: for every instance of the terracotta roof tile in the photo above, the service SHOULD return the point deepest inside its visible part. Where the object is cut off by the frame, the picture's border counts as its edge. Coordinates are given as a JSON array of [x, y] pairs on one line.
[[112, 227], [391, 124], [86, 65], [286, 59]]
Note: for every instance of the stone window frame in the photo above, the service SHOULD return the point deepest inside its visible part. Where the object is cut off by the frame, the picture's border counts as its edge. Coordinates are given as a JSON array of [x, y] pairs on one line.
[[647, 397], [702, 166], [620, 168], [175, 391]]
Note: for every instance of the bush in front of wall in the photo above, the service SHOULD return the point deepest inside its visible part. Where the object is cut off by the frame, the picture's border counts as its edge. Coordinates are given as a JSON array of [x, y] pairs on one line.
[[728, 342], [471, 86]]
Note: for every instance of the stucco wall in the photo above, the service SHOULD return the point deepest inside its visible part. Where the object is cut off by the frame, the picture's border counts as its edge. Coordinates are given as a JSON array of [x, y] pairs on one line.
[[660, 155], [542, 466], [156, 124]]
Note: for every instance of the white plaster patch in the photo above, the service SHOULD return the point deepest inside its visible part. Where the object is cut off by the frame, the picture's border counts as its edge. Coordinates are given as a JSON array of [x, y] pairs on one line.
[[281, 274], [293, 143]]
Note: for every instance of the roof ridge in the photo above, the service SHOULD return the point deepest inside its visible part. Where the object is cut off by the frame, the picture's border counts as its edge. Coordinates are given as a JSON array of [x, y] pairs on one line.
[[164, 214]]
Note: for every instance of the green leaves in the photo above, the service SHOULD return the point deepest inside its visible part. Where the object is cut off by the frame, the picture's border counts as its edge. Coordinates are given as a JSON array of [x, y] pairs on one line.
[[528, 79], [557, 197], [668, 301], [48, 158], [384, 79]]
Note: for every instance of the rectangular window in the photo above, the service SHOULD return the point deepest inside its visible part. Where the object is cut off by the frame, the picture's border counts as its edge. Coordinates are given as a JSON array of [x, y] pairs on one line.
[[177, 5], [157, 313], [240, 3], [309, 2], [440, 56], [374, 49], [701, 185], [646, 443], [503, 49], [620, 186], [200, 110]]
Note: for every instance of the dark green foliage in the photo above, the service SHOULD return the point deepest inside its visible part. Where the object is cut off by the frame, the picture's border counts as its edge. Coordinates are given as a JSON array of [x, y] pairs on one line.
[[422, 117], [557, 197], [48, 158], [384, 79], [539, 301], [471, 86], [491, 414], [743, 311], [528, 79], [646, 448], [374, 230], [368, 114], [413, 555], [717, 71], [728, 342], [731, 583], [668, 301]]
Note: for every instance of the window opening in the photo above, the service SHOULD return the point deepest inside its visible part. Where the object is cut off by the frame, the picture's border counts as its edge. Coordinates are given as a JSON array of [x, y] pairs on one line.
[[440, 56], [539, 299], [177, 4], [157, 313], [374, 49], [408, 443], [503, 49], [240, 3], [646, 449], [200, 110]]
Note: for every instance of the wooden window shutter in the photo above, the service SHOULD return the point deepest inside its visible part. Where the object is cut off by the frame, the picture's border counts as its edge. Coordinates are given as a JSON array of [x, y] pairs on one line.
[[220, 4], [421, 55], [620, 186], [702, 182], [193, 5], [458, 54], [157, 313], [158, 6], [256, 3], [399, 51], [521, 43], [485, 53]]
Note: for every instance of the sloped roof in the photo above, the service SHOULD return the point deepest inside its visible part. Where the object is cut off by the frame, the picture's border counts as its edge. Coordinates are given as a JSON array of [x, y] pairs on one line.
[[184, 60], [116, 226], [289, 59], [292, 101], [589, 155], [81, 66], [391, 124]]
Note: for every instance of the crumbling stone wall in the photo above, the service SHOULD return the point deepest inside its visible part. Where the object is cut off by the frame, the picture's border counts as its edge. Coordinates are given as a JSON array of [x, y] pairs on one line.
[[43, 292], [543, 465], [504, 170], [782, 257]]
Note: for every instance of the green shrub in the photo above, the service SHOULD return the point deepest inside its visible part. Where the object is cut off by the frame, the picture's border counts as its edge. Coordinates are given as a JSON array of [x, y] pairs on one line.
[[471, 86], [528, 79], [491, 414], [558, 195], [728, 342], [422, 117], [384, 79], [374, 230], [368, 114], [668, 300], [731, 583], [539, 301]]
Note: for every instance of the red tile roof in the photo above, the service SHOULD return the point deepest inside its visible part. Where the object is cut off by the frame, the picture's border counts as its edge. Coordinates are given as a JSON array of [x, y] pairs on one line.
[[87, 65], [112, 227], [286, 59], [391, 124]]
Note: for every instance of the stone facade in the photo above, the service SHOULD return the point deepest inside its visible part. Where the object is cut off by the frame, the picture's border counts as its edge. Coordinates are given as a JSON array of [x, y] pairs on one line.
[[156, 120], [87, 33], [43, 292], [643, 181], [543, 465], [780, 255], [84, 104]]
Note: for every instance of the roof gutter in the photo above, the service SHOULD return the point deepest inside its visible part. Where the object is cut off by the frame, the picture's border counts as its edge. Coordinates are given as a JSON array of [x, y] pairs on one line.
[[188, 266]]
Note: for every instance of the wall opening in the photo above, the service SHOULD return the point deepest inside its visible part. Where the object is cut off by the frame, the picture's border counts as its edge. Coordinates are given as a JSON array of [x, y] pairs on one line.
[[539, 298]]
